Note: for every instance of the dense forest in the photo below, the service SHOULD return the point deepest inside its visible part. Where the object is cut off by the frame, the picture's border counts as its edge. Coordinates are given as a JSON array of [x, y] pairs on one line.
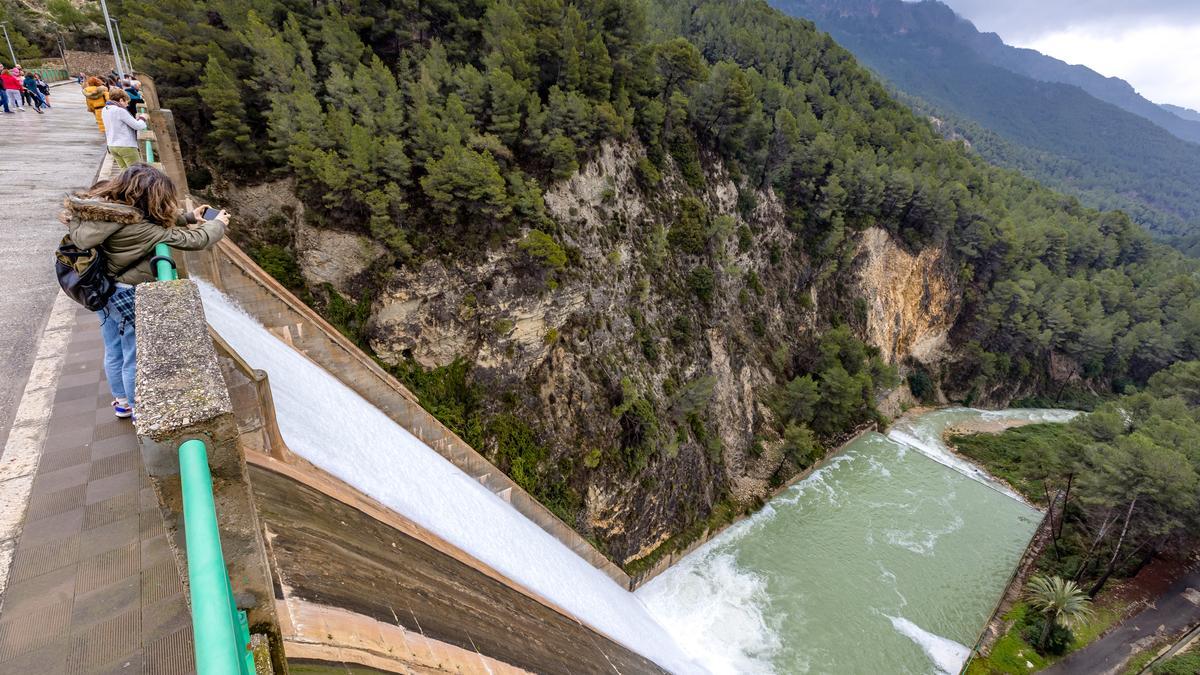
[[1054, 132], [437, 128]]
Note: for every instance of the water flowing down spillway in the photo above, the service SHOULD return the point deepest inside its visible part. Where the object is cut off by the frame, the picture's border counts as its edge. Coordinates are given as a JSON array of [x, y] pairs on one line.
[[889, 559], [331, 426]]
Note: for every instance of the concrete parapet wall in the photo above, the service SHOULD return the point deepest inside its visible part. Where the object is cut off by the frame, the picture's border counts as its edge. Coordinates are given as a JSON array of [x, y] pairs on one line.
[[182, 395], [228, 268]]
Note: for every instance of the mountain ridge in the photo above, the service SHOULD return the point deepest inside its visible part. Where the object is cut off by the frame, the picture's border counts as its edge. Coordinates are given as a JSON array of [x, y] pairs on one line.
[[1055, 132]]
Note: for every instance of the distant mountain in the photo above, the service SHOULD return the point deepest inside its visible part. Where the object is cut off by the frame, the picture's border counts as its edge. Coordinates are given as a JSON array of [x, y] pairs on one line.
[[1180, 111], [1056, 132], [1113, 90]]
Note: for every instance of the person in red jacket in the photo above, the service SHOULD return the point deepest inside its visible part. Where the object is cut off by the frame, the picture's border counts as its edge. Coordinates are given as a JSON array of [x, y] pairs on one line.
[[12, 90]]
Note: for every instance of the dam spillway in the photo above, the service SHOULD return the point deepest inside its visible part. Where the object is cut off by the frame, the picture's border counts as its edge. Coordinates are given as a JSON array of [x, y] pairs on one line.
[[327, 424], [889, 559]]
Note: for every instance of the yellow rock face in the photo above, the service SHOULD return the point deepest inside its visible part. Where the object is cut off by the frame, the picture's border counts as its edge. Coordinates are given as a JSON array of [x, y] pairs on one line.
[[911, 303]]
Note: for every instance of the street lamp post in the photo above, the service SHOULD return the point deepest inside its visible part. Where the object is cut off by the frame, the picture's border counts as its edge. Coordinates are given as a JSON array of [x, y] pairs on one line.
[[4, 26], [112, 40], [62, 51], [121, 44]]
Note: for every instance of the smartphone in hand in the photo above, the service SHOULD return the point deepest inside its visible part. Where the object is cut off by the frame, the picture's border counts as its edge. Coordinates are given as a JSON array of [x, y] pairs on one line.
[[211, 214]]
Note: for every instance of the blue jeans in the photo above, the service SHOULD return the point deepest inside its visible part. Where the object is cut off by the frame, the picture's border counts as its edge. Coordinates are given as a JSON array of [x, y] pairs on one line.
[[120, 352]]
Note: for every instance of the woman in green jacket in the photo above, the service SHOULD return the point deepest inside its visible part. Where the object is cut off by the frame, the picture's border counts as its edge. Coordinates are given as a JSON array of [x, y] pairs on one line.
[[126, 217]]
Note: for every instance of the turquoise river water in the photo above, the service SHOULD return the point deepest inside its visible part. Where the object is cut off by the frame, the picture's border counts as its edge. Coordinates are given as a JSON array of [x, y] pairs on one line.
[[888, 559]]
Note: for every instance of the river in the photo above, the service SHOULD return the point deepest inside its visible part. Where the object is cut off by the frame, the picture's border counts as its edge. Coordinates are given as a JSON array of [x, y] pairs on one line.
[[888, 559]]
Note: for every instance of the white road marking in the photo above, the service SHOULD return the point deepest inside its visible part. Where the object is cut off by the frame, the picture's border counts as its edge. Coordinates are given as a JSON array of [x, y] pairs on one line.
[[23, 449]]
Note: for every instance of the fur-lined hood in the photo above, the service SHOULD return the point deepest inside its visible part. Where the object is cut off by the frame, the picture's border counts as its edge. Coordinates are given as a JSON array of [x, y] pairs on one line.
[[91, 221]]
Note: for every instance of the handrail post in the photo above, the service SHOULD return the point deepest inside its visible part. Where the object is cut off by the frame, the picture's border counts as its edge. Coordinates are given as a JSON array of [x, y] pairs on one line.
[[220, 630]]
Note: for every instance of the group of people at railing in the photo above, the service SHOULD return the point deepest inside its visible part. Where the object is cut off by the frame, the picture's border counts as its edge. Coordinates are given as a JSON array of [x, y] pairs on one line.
[[116, 224], [114, 101], [23, 88]]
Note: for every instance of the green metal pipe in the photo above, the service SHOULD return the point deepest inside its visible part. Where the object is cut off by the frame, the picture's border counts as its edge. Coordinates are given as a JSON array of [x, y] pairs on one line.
[[220, 648], [149, 152], [163, 270]]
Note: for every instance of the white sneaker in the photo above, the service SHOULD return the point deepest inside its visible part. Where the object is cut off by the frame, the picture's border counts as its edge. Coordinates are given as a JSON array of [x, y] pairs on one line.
[[122, 409]]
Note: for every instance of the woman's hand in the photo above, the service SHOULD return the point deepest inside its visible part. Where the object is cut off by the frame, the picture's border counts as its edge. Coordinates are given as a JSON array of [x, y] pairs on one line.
[[198, 212], [223, 216]]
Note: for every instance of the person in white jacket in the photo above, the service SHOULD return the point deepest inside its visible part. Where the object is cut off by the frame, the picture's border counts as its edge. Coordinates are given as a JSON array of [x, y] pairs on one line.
[[120, 129]]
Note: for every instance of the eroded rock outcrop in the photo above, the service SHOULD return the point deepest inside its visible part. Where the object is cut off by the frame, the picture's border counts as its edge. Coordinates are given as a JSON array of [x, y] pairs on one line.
[[911, 301]]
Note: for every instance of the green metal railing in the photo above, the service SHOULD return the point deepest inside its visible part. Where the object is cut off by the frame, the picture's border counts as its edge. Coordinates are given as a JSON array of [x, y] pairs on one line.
[[221, 631], [163, 263], [51, 74]]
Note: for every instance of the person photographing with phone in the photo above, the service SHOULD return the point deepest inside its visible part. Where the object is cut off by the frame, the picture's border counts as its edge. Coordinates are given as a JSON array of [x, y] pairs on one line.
[[118, 222], [120, 129]]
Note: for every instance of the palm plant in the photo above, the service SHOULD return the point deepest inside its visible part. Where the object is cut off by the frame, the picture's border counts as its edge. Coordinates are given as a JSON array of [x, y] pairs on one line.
[[1058, 600]]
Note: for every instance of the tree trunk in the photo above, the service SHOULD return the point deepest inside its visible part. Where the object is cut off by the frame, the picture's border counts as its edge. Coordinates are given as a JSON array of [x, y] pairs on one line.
[[1050, 514], [1066, 496], [1087, 558], [1112, 562], [1045, 633]]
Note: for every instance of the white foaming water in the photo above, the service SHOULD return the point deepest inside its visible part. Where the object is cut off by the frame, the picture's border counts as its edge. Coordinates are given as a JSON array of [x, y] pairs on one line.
[[947, 655], [716, 612], [331, 426], [926, 438]]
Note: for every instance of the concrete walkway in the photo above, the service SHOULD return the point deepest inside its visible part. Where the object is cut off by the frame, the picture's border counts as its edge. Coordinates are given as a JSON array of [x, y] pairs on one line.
[[41, 157], [88, 583], [1174, 612], [93, 586]]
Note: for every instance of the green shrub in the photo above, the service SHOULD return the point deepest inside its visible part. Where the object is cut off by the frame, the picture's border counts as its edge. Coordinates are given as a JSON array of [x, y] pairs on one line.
[[592, 459], [648, 175], [351, 318], [1058, 641], [280, 263], [689, 232], [639, 426], [800, 445], [681, 330], [702, 283], [921, 386], [541, 248], [745, 239], [755, 283], [561, 153]]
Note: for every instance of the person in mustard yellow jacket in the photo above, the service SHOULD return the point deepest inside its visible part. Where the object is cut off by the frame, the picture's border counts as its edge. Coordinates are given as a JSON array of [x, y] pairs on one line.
[[95, 94]]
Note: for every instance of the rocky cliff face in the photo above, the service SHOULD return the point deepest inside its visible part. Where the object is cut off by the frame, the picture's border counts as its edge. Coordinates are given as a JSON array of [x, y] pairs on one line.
[[646, 377], [911, 299]]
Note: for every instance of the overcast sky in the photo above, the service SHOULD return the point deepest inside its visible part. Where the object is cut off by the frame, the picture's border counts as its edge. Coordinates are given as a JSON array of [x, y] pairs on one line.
[[1152, 44]]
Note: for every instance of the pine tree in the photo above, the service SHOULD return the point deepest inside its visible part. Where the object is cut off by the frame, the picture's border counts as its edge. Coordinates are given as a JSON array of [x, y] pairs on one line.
[[229, 138], [466, 190]]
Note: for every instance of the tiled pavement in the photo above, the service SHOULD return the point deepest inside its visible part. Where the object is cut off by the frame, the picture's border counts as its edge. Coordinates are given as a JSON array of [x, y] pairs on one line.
[[93, 587]]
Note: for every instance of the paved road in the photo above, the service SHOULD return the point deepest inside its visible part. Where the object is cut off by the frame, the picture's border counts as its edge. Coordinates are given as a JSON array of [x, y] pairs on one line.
[[1177, 610], [41, 157]]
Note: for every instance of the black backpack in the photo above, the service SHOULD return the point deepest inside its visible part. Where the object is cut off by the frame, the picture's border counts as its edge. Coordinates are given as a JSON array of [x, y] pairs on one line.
[[83, 274]]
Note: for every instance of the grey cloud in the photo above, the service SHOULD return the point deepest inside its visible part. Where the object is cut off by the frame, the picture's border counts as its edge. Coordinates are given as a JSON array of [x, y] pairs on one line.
[[1019, 20]]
